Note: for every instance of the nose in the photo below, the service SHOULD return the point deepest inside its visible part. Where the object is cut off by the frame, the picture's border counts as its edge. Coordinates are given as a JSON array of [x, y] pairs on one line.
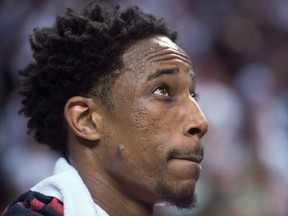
[[195, 121]]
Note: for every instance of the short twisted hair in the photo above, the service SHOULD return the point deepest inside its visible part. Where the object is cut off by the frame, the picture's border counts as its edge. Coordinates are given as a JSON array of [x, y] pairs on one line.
[[76, 56]]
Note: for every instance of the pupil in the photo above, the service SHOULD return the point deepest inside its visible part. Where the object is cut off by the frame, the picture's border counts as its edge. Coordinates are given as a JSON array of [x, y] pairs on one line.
[[163, 90]]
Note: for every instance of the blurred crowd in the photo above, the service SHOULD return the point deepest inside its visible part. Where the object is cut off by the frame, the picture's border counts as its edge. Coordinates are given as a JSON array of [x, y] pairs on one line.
[[239, 50]]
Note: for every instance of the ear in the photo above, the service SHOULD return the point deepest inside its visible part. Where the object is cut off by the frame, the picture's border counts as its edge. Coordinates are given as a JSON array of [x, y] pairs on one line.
[[82, 118]]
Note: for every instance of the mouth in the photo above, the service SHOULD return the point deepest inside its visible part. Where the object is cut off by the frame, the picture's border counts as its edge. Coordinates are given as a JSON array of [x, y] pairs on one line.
[[195, 155], [186, 167], [193, 158], [196, 160]]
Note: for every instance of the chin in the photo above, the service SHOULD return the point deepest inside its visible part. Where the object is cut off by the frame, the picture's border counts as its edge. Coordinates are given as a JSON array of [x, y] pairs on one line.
[[182, 198]]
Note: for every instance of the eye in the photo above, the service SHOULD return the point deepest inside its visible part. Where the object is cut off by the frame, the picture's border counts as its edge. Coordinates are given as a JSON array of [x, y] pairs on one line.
[[162, 90], [195, 96]]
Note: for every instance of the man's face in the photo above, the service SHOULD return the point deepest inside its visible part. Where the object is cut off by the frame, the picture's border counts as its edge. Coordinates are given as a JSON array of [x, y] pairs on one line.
[[153, 133]]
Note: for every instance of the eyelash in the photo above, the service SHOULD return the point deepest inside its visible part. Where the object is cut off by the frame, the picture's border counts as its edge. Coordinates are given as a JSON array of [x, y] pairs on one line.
[[163, 87], [194, 95]]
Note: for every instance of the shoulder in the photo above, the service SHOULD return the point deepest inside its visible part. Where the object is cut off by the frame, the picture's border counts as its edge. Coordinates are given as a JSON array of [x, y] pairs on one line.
[[35, 204]]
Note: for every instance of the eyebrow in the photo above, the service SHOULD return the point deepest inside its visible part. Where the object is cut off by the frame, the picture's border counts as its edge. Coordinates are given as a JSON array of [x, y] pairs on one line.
[[162, 72]]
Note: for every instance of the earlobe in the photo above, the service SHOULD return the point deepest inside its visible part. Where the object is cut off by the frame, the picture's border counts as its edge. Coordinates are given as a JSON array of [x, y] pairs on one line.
[[82, 118]]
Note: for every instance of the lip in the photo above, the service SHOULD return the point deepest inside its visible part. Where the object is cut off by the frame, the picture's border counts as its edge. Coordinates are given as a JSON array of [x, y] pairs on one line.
[[194, 158], [194, 154], [186, 167]]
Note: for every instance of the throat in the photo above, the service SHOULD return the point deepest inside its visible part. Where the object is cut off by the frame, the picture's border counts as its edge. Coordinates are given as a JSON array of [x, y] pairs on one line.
[[112, 198], [121, 206]]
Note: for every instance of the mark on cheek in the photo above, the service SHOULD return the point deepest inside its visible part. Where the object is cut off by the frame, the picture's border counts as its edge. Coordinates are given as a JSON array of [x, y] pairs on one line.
[[121, 147], [119, 151]]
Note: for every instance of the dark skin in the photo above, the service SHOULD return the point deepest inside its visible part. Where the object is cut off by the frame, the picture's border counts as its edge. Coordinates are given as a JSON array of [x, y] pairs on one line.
[[150, 140]]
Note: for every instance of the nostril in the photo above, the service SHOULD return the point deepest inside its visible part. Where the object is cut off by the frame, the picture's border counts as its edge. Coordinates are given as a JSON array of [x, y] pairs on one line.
[[194, 131]]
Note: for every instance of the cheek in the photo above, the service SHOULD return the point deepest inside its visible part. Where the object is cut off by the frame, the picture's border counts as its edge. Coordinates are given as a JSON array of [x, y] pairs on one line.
[[150, 134], [158, 123], [146, 127], [155, 124], [145, 120]]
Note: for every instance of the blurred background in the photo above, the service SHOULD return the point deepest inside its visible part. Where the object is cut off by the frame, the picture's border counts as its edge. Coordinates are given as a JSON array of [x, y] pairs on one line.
[[239, 49]]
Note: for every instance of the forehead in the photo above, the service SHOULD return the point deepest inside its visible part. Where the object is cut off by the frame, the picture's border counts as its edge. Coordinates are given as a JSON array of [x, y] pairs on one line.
[[155, 49]]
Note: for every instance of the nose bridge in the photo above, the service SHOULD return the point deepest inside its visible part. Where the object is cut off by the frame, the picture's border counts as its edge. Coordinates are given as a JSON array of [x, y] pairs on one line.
[[195, 122]]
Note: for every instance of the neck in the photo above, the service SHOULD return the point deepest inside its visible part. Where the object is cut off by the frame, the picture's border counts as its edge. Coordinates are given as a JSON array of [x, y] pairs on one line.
[[114, 202], [107, 193]]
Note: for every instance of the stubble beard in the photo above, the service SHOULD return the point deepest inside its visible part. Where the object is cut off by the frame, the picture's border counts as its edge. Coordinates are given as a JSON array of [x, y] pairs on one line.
[[182, 200]]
